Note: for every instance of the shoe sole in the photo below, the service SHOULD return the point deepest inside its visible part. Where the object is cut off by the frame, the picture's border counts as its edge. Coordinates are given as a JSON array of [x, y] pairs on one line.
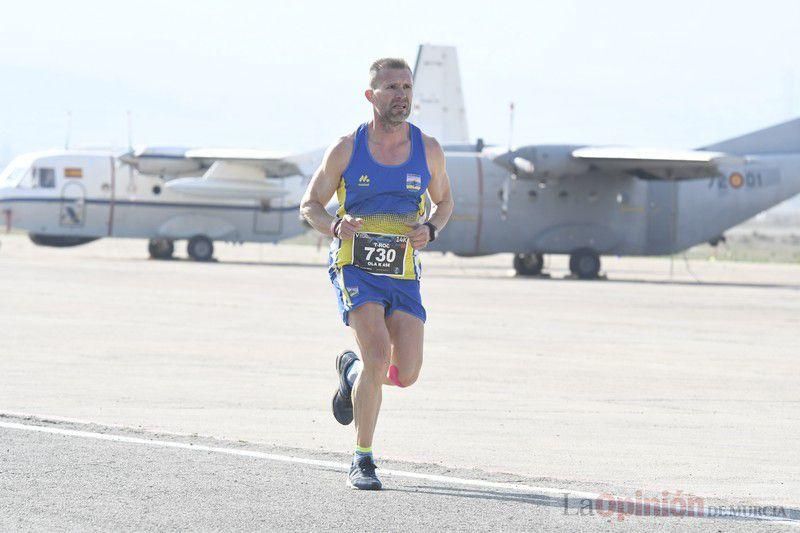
[[345, 418], [374, 487]]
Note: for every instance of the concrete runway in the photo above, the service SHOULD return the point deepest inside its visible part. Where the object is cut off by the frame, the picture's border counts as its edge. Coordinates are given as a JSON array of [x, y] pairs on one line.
[[649, 381]]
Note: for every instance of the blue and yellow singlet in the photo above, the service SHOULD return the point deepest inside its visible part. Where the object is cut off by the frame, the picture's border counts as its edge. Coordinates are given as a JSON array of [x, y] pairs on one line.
[[386, 197]]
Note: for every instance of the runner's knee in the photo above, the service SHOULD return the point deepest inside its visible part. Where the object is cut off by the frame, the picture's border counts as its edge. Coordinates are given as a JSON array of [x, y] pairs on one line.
[[376, 359], [410, 378], [402, 377]]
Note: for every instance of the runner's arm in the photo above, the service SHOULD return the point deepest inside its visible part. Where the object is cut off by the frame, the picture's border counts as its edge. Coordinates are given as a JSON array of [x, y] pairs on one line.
[[439, 192], [439, 187], [323, 185]]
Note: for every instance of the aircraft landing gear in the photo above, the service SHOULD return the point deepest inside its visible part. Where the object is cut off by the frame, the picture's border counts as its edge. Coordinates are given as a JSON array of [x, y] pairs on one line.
[[200, 248], [584, 263], [528, 264], [161, 248]]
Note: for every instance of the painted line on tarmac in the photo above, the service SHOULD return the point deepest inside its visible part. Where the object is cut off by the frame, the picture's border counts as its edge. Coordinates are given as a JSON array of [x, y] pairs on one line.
[[606, 502]]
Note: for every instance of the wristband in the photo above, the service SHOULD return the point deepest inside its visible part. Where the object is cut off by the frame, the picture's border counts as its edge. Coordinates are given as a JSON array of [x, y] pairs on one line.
[[432, 231], [335, 226]]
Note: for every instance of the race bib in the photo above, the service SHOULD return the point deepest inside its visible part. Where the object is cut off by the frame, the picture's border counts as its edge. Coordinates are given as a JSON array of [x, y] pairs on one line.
[[380, 253]]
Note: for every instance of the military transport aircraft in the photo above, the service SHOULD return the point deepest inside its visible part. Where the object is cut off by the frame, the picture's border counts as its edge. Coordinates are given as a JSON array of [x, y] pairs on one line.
[[585, 201]]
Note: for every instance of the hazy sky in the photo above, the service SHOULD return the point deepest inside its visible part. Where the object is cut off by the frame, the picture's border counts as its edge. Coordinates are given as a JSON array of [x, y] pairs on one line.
[[290, 75]]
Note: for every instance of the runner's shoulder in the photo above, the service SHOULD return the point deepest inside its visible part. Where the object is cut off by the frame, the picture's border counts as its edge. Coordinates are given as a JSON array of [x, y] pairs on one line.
[[338, 153], [433, 150]]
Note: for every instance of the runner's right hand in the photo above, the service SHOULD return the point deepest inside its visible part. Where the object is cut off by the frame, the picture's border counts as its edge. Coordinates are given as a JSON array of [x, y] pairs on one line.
[[349, 226]]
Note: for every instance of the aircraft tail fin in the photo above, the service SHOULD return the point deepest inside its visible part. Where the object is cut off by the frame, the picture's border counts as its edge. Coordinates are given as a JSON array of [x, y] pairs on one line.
[[438, 101], [781, 138]]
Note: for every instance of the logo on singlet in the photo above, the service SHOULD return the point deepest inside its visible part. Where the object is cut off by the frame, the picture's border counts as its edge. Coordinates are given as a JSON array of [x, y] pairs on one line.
[[363, 181], [413, 182]]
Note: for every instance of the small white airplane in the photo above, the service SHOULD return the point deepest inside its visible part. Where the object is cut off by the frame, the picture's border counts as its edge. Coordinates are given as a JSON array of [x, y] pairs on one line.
[[164, 194], [69, 197]]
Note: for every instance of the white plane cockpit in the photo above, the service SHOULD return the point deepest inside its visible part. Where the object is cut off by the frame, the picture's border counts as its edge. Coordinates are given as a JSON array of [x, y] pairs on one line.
[[18, 170], [58, 191]]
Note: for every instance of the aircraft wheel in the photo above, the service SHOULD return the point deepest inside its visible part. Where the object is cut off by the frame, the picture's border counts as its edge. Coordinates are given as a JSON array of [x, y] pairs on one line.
[[585, 263], [200, 248], [161, 248], [528, 264]]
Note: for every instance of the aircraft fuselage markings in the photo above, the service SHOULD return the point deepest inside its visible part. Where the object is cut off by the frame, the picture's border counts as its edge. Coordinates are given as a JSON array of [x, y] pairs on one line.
[[738, 180]]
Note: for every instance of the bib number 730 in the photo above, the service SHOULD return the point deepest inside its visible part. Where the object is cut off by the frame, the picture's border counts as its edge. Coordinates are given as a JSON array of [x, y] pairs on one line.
[[380, 253]]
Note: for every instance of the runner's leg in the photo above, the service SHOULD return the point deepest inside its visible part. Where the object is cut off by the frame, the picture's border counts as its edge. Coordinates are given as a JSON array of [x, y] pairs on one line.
[[369, 327], [406, 333]]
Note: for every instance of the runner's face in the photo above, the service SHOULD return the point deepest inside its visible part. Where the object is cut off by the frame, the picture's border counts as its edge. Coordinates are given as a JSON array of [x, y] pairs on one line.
[[392, 97]]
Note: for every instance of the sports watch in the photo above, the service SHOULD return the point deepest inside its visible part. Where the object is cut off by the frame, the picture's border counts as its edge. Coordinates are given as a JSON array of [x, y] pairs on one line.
[[335, 226], [433, 231]]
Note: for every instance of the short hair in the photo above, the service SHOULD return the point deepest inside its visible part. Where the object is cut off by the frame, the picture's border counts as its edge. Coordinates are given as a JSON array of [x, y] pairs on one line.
[[382, 63]]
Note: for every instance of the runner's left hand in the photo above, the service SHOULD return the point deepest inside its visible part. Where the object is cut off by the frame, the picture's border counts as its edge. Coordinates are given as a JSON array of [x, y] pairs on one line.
[[418, 236]]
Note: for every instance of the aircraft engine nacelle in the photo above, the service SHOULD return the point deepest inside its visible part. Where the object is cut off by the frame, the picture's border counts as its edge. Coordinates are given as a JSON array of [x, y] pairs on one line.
[[167, 167], [162, 161], [541, 161]]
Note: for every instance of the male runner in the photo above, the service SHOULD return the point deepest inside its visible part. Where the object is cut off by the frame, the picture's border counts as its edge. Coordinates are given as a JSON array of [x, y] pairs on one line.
[[380, 173]]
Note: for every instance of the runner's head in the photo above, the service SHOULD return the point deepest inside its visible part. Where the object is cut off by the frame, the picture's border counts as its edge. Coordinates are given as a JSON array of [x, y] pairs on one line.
[[390, 85]]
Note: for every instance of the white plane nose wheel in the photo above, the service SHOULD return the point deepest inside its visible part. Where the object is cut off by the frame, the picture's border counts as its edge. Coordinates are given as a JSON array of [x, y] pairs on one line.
[[161, 248], [584, 263], [528, 264], [200, 248]]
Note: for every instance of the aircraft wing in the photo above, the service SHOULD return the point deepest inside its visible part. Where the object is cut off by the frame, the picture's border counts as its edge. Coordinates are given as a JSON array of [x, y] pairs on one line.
[[228, 163], [654, 163], [224, 172], [221, 163]]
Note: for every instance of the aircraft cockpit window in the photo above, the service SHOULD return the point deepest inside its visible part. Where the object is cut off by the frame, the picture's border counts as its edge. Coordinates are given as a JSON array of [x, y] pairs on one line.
[[13, 176], [44, 178]]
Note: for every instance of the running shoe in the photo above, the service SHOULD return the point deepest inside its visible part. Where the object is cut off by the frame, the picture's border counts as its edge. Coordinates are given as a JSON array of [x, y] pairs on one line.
[[342, 402], [362, 474]]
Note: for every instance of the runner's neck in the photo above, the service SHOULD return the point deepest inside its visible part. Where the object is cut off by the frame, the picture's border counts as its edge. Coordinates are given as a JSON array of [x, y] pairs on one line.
[[389, 148], [389, 135]]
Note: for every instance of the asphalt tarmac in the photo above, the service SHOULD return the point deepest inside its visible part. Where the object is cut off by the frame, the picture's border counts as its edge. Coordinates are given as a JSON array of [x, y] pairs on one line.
[[666, 377], [70, 479]]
